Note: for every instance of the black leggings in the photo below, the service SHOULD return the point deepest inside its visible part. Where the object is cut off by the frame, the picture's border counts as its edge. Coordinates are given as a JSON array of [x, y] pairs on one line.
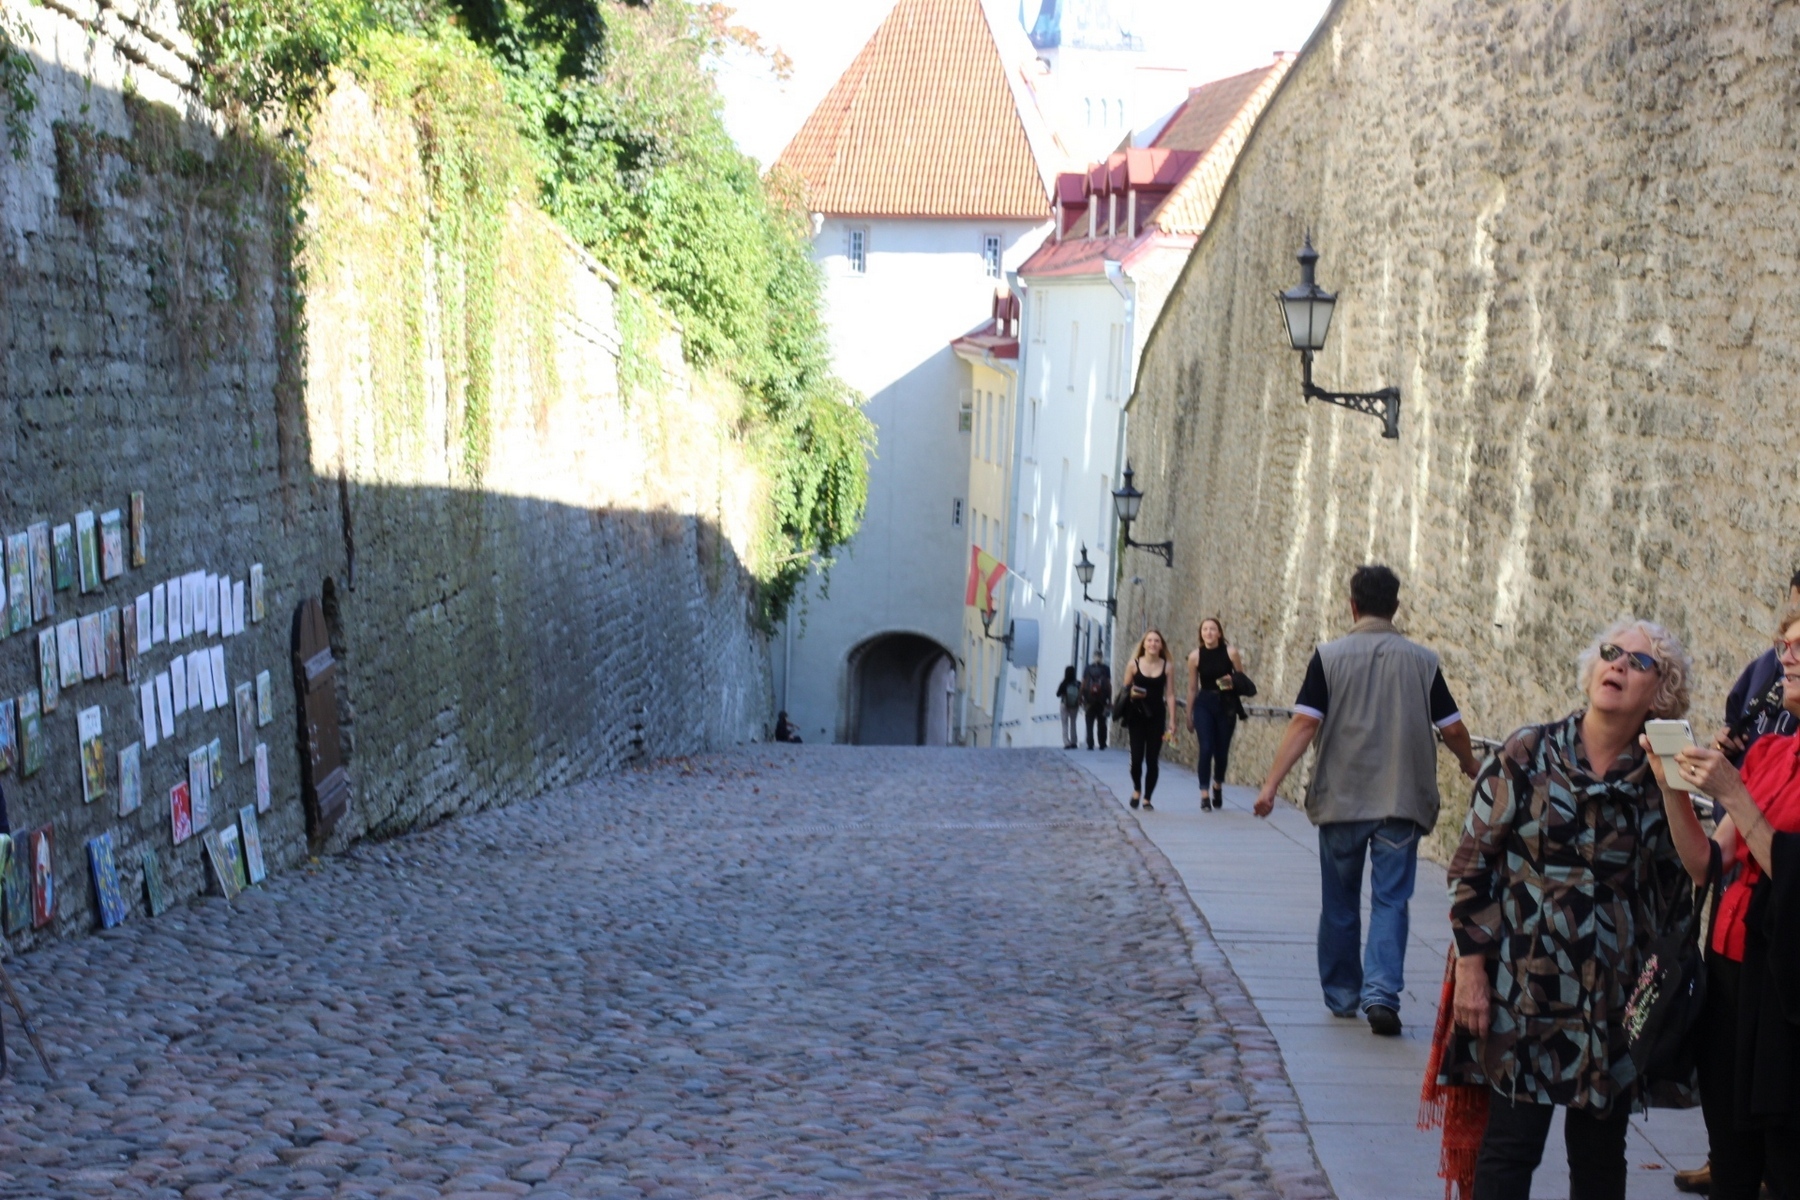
[[1741, 1158], [1146, 749], [1214, 723], [1514, 1145]]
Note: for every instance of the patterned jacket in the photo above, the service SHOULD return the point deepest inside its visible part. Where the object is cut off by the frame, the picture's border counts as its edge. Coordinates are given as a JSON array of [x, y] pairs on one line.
[[1560, 880]]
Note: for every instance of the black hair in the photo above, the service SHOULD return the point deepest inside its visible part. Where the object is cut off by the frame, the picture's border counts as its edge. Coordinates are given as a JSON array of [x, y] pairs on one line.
[[1375, 590], [1068, 674]]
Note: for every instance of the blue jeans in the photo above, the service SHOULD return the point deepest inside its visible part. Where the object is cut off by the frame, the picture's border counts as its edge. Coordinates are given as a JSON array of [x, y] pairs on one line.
[[1214, 720], [1356, 977]]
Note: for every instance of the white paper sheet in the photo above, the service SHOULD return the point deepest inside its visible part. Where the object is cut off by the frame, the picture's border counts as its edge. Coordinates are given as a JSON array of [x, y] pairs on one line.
[[165, 705], [214, 610], [221, 689], [159, 614], [238, 597], [147, 711], [143, 623], [200, 680], [68, 653]]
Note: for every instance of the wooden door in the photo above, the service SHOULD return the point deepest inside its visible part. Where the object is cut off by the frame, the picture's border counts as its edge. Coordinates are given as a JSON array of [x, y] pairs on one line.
[[326, 781]]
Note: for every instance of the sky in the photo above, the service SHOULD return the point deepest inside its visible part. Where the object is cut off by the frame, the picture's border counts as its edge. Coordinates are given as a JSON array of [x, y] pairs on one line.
[[1214, 37]]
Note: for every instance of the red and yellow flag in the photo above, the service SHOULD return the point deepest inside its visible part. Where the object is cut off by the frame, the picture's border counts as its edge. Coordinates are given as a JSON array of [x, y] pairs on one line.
[[985, 571]]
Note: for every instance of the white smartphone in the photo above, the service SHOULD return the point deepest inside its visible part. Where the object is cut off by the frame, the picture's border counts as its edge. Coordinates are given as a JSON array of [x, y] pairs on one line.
[[1667, 739]]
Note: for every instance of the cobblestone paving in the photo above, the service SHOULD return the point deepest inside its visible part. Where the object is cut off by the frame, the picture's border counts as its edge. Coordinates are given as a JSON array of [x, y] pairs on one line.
[[794, 971]]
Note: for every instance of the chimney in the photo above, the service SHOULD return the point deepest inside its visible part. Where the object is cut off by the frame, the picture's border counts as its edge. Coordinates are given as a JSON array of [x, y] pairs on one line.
[[1093, 212], [1131, 213]]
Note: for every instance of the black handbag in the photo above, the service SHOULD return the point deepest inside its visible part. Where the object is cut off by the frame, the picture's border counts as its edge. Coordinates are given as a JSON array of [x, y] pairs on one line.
[[1663, 1013], [1242, 685]]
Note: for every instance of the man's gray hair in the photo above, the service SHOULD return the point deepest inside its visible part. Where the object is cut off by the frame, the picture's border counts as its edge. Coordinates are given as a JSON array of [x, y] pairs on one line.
[[1677, 667]]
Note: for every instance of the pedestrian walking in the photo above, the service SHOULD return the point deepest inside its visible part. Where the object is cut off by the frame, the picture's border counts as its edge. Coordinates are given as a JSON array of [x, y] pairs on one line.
[[1069, 693], [1565, 862], [1372, 700], [1214, 707], [1096, 698], [1147, 710], [1749, 1028]]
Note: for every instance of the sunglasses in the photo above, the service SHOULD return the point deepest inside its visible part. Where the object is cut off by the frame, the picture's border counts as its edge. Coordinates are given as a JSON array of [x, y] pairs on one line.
[[1637, 658]]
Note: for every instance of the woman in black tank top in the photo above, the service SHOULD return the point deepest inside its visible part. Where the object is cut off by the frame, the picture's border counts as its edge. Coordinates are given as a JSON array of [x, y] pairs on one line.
[[1149, 713], [1215, 708]]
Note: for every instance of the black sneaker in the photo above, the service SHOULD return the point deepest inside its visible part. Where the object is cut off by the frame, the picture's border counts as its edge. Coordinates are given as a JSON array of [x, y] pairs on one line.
[[1148, 807], [1383, 1021], [1134, 802]]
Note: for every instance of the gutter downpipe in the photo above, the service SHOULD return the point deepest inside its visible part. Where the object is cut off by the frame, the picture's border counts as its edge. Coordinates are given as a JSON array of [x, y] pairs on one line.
[[1018, 375], [1127, 289]]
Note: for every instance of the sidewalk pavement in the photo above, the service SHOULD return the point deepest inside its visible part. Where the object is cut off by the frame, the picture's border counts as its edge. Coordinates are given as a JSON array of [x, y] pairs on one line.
[[1257, 884]]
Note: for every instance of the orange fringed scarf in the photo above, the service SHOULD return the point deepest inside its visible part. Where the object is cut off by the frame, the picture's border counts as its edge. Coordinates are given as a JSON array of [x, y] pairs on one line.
[[1460, 1109]]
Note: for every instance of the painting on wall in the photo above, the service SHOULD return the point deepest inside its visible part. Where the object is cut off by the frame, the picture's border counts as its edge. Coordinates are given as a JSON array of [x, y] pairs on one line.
[[232, 843], [43, 583], [68, 652], [128, 639], [9, 735], [49, 670], [200, 787], [112, 647], [244, 697], [156, 898], [256, 592], [31, 734], [254, 865], [93, 754], [181, 813], [215, 757], [111, 901], [265, 699], [39, 844], [112, 544], [262, 777], [93, 646], [62, 557], [18, 582], [140, 536], [224, 870], [87, 552], [131, 779], [15, 886]]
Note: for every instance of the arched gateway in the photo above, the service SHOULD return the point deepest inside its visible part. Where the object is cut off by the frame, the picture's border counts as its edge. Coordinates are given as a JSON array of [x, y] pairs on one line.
[[899, 691]]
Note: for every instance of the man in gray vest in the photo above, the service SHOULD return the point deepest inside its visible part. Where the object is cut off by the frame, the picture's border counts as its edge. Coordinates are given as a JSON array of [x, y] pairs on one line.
[[1371, 699]]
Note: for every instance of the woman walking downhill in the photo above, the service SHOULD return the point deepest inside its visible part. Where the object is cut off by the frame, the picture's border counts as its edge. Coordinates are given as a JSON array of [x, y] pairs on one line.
[[1214, 707], [1566, 861], [1749, 1029], [1068, 692], [1148, 714]]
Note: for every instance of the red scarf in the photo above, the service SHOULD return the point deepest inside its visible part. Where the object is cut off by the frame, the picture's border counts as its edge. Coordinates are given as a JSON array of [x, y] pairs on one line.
[[1460, 1108], [1771, 772]]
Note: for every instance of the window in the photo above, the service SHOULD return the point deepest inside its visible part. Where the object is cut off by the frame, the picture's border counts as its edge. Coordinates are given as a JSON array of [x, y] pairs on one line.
[[956, 513], [965, 418], [990, 254], [987, 427], [859, 251]]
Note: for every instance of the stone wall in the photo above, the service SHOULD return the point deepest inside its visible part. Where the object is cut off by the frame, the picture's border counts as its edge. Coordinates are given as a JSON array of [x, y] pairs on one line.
[[547, 587], [1564, 231]]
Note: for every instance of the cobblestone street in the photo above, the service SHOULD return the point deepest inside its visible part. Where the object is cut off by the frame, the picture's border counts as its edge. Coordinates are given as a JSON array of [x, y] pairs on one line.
[[773, 972]]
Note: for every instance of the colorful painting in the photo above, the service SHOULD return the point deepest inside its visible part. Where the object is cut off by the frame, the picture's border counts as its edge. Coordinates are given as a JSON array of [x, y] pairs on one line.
[[68, 652], [9, 734], [39, 846], [43, 583], [155, 897], [215, 755], [93, 646], [262, 777], [265, 699], [140, 536], [181, 813], [232, 843], [244, 698], [49, 670], [256, 592], [31, 735], [93, 754], [87, 552], [112, 650], [106, 880], [18, 582], [15, 885], [224, 869], [62, 557], [254, 865], [131, 779], [112, 544]]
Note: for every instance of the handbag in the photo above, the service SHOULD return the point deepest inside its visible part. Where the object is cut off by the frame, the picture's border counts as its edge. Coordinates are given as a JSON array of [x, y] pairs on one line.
[[1664, 1009], [1242, 685]]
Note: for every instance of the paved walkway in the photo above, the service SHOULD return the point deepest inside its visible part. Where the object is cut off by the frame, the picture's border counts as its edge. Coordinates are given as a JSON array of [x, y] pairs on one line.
[[784, 971], [1257, 883]]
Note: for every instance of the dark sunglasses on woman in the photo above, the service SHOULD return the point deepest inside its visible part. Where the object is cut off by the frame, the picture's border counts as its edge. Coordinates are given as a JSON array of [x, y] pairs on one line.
[[1637, 658]]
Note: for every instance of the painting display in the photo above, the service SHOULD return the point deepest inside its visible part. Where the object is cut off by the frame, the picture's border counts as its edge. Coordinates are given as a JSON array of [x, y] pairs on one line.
[[9, 734], [93, 754], [43, 582], [62, 557], [262, 777], [68, 652], [18, 582], [200, 787], [93, 646], [112, 653], [223, 869], [244, 697], [87, 552], [265, 699], [181, 813], [143, 624], [232, 844], [215, 758], [131, 779], [140, 536], [31, 734], [38, 847], [254, 865], [256, 592], [155, 897], [49, 670], [128, 639], [112, 544], [111, 902]]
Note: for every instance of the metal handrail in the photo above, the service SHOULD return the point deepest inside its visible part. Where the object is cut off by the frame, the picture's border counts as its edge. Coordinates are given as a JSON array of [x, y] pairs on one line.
[[1283, 712]]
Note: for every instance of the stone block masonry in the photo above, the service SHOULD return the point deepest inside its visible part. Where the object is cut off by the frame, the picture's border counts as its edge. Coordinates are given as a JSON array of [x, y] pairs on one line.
[[1564, 231], [526, 582]]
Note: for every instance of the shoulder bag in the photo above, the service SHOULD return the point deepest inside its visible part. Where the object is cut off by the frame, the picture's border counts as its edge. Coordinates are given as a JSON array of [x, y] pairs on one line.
[[1664, 1009]]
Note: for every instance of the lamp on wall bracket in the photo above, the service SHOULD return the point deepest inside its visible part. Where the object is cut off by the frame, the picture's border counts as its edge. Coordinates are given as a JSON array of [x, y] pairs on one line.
[[1084, 571], [1307, 308], [987, 628], [1126, 502]]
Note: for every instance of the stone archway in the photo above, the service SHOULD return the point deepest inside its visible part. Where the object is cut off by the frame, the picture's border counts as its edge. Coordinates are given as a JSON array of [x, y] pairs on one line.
[[899, 691]]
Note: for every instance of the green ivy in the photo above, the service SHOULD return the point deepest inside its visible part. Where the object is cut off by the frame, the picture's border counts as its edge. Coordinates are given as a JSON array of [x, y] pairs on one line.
[[16, 73]]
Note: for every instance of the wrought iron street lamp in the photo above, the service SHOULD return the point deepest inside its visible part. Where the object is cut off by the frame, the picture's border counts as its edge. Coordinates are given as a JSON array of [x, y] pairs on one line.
[[987, 628], [1084, 571], [1126, 502], [1307, 309]]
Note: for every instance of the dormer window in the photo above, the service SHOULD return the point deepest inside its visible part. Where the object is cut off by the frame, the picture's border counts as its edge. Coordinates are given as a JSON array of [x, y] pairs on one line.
[[990, 254], [859, 252]]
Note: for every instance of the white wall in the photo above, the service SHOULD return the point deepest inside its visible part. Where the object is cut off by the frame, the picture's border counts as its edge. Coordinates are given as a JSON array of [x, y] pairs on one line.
[[891, 329]]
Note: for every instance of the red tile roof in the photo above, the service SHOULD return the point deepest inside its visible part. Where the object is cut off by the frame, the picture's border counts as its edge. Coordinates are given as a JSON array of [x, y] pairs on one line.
[[1216, 120], [923, 124]]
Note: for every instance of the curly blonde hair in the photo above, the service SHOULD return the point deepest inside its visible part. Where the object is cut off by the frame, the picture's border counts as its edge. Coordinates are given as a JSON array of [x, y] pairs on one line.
[[1676, 666]]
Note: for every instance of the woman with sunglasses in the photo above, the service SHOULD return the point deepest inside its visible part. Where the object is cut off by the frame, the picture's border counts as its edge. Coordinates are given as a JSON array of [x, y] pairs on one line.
[[1750, 1028], [1565, 858]]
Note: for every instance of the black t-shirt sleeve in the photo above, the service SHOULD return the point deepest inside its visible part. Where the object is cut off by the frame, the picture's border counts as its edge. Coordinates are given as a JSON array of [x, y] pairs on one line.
[[1443, 704], [1315, 696]]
